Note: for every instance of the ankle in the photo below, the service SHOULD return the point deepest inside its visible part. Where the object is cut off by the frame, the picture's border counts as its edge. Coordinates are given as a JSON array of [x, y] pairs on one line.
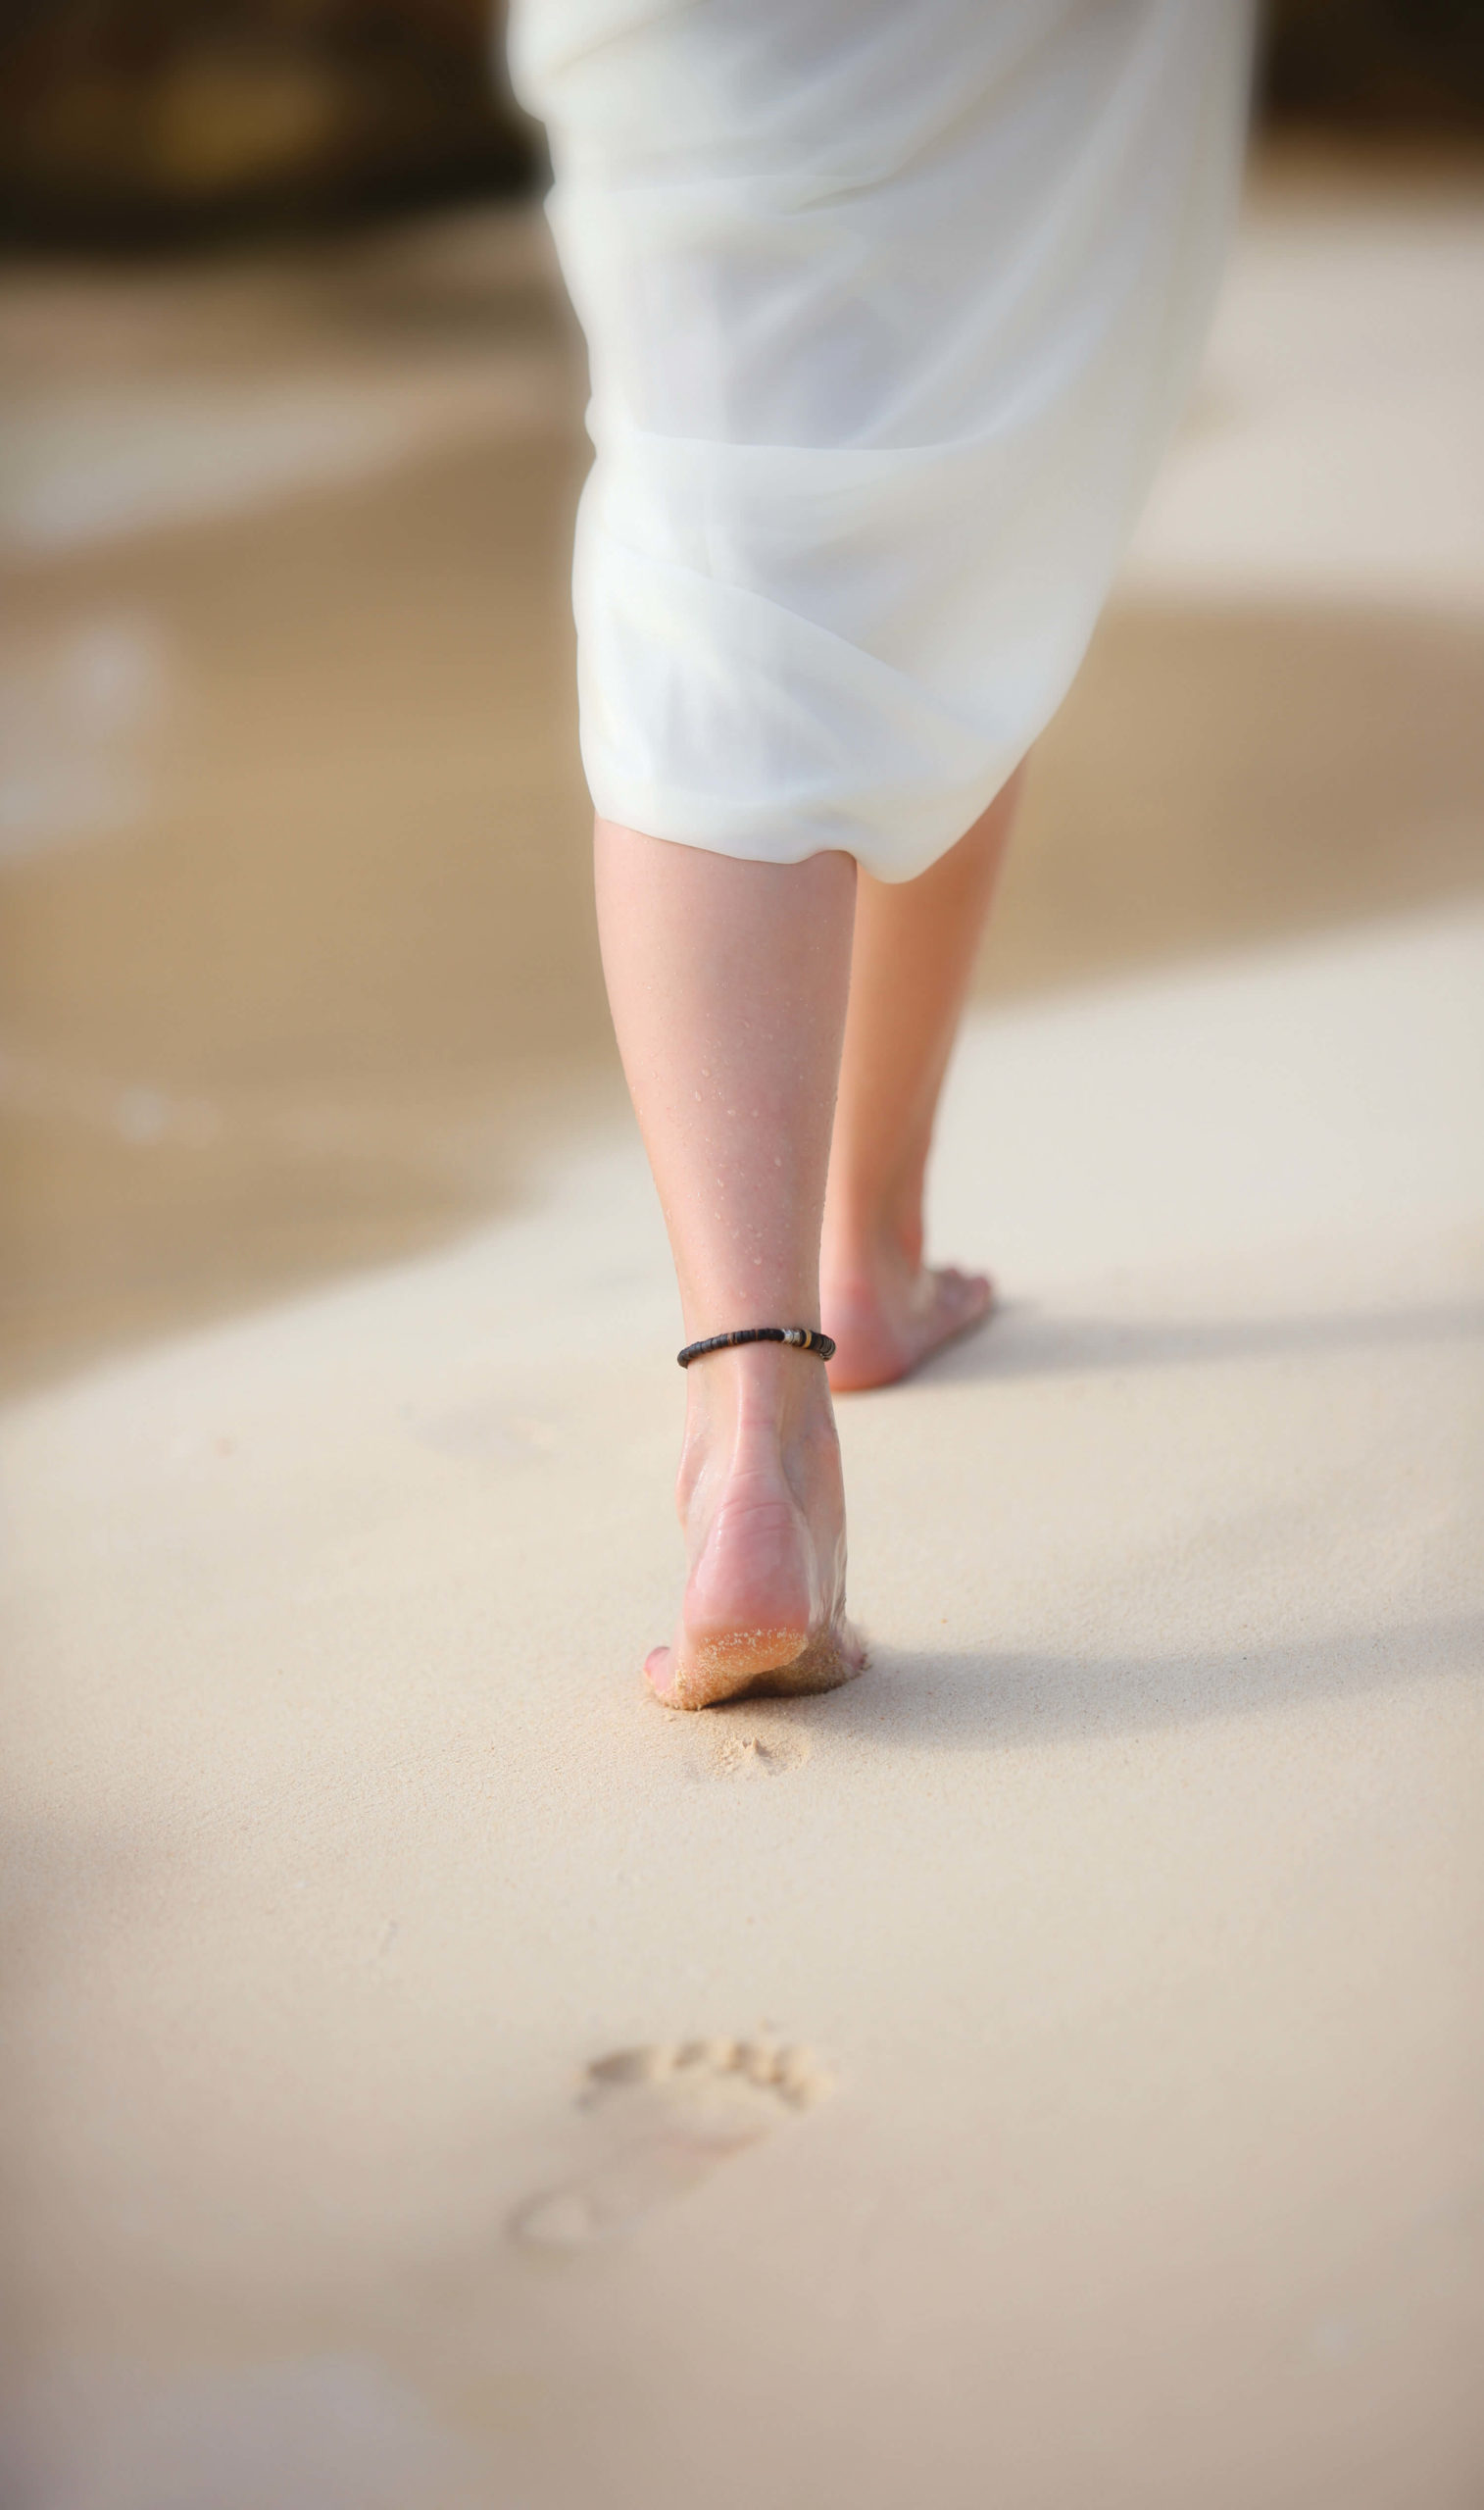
[[753, 1385], [750, 1409], [860, 1263], [871, 1235]]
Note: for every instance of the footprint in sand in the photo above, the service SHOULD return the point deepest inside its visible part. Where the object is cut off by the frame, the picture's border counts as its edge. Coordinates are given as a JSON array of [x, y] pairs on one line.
[[666, 2118], [748, 1747]]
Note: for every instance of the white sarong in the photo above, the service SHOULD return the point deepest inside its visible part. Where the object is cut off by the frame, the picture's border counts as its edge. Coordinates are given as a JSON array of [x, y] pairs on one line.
[[890, 308]]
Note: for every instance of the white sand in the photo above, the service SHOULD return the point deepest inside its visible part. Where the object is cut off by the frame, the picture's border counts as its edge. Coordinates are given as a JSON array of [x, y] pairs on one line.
[[1125, 1919], [1131, 1900]]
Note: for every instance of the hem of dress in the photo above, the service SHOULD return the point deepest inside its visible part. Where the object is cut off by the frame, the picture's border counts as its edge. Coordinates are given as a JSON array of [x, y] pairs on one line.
[[778, 834]]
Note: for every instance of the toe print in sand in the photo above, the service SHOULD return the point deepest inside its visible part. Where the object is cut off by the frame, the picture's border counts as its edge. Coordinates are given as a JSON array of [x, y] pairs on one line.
[[751, 1747], [663, 2119]]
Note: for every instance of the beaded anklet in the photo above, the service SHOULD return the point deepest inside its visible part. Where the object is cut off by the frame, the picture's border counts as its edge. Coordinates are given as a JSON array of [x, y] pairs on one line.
[[800, 1337]]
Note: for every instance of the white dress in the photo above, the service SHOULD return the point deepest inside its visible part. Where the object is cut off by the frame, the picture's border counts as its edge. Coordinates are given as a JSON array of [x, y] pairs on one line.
[[890, 307]]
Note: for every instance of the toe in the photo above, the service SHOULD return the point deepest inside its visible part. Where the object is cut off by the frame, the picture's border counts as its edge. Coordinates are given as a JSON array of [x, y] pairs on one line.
[[959, 1301], [853, 1648], [659, 1674], [967, 1294]]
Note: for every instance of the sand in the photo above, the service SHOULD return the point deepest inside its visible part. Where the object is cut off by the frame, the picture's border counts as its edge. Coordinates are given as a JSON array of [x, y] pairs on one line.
[[1044, 2073], [1103, 2125]]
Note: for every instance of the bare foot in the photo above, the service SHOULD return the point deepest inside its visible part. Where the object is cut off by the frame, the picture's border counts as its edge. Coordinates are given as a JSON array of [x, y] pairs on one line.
[[889, 1312], [762, 1502]]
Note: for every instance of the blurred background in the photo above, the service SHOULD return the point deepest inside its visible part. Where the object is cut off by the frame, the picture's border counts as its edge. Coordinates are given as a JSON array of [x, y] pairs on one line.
[[299, 964]]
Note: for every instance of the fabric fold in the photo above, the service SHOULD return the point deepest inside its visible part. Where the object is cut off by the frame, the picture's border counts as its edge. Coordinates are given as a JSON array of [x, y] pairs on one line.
[[889, 314]]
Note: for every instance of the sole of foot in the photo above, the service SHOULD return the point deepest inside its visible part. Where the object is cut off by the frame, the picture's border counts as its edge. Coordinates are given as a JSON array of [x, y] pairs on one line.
[[753, 1664]]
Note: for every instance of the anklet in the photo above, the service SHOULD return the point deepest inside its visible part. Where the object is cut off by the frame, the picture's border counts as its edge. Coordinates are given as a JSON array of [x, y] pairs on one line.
[[801, 1337]]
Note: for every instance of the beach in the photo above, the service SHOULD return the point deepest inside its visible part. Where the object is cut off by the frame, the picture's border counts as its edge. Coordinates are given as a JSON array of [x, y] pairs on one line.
[[1045, 2071]]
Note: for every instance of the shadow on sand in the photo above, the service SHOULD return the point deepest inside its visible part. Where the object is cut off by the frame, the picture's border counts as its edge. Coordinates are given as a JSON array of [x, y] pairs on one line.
[[1029, 1341], [979, 1701]]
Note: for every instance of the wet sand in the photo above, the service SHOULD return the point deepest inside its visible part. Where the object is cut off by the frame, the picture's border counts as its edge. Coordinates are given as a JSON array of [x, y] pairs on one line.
[[1046, 2070]]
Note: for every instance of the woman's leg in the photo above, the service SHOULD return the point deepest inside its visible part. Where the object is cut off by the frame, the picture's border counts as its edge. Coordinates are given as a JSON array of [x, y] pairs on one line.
[[733, 992], [729, 984], [914, 946]]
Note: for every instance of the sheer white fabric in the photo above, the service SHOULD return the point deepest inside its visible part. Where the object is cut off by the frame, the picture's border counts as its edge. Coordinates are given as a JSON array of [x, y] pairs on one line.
[[890, 306]]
